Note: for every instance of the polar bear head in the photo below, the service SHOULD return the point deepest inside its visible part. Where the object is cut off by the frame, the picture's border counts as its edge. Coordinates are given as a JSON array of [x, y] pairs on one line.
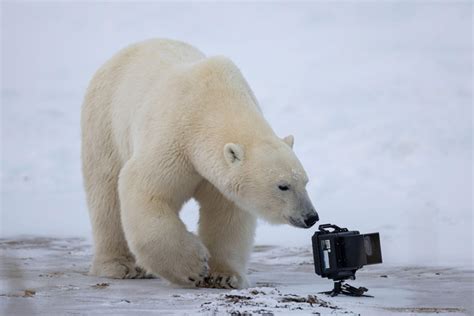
[[267, 179]]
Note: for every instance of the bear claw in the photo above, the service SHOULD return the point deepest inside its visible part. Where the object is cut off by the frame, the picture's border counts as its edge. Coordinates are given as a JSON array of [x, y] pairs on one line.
[[221, 281]]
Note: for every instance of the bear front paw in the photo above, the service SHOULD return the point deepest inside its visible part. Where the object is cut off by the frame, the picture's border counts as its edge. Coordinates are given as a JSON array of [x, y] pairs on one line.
[[220, 280], [187, 266]]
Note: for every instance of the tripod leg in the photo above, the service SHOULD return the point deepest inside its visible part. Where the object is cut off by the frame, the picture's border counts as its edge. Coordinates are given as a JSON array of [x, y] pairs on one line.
[[336, 290], [346, 289], [350, 290]]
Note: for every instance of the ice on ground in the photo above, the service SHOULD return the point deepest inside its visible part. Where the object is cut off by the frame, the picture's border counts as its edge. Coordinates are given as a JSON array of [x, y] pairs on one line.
[[46, 276]]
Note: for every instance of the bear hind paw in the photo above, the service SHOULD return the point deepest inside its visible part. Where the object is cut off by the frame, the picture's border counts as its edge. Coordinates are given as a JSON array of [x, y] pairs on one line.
[[118, 268]]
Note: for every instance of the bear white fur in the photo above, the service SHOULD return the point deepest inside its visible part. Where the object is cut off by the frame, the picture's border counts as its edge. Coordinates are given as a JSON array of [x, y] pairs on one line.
[[161, 124]]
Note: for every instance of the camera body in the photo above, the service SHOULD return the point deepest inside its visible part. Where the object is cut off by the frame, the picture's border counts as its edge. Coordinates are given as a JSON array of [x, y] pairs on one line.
[[339, 253]]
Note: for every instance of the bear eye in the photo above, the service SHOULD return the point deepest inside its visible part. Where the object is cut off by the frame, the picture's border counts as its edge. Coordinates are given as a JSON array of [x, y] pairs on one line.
[[284, 187]]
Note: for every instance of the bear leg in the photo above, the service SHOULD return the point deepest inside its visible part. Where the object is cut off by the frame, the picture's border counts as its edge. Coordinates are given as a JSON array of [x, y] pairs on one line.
[[228, 233], [155, 233], [101, 167], [112, 258]]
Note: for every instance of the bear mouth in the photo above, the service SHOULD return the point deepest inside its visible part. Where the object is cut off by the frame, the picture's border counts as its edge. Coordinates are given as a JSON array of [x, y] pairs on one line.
[[296, 223]]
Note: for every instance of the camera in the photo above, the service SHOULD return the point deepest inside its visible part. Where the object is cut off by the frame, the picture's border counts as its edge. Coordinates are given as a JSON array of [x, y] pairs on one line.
[[339, 253]]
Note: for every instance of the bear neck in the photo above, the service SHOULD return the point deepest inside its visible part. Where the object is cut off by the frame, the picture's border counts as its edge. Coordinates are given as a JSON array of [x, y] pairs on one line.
[[243, 125]]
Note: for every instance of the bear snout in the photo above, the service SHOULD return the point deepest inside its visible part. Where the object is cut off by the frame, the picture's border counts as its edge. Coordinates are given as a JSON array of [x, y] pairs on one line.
[[311, 219], [305, 221]]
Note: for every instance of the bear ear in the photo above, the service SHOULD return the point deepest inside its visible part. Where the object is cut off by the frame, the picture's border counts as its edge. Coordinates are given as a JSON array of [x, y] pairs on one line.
[[233, 153], [289, 140]]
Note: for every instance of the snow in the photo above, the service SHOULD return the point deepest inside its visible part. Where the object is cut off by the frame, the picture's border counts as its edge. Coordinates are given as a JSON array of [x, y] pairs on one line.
[[378, 96], [46, 276]]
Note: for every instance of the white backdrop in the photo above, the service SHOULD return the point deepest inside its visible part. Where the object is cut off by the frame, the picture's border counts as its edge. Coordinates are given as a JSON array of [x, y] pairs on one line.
[[378, 96]]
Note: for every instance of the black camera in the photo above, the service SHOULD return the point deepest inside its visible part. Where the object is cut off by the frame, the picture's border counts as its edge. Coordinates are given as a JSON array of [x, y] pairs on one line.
[[339, 253]]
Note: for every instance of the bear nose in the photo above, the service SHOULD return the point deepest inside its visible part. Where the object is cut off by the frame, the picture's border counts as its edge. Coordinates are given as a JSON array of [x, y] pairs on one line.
[[311, 219]]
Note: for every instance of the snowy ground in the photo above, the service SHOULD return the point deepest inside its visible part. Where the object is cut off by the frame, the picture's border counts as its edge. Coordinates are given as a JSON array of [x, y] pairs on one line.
[[377, 94], [44, 276]]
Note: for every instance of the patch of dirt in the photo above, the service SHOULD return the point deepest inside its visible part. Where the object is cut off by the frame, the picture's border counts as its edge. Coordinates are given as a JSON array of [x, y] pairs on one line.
[[262, 312], [237, 298], [425, 310], [51, 275], [266, 284], [29, 293], [25, 293], [306, 263], [310, 299], [261, 300]]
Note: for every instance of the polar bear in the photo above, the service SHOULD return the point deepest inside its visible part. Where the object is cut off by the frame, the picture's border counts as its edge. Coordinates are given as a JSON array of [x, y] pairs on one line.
[[161, 124]]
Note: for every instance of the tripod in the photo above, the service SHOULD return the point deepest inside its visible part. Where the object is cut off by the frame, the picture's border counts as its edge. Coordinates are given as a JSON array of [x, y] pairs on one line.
[[346, 289]]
